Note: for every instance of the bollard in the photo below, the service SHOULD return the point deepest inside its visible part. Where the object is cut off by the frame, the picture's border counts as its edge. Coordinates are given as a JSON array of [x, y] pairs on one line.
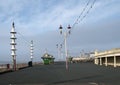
[[8, 66], [30, 63]]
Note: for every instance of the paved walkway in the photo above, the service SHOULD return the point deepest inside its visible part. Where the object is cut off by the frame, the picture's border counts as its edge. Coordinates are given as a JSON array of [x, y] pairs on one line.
[[78, 74]]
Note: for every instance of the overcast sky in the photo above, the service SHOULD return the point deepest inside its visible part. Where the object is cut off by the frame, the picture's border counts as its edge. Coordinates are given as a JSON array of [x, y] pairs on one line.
[[38, 20]]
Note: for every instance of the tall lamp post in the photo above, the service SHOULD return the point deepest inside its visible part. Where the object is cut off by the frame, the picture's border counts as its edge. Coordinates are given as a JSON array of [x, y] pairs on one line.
[[59, 47], [66, 33], [13, 45], [31, 50]]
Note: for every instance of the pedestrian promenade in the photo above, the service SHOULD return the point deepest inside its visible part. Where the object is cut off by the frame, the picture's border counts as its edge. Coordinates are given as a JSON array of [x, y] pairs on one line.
[[78, 74], [4, 68]]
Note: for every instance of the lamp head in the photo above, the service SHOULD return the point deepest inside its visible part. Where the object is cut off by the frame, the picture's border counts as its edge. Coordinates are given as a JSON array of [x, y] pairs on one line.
[[60, 29], [69, 28]]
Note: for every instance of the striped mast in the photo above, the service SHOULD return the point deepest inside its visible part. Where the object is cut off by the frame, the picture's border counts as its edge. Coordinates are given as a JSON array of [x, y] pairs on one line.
[[31, 50], [13, 45]]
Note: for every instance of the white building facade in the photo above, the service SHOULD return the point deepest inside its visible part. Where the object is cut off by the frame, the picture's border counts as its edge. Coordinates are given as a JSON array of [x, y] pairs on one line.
[[110, 57]]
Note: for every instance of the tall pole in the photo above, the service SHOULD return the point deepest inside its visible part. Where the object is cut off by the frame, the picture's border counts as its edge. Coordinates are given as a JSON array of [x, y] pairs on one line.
[[65, 42], [66, 53], [59, 47], [13, 46], [60, 50], [57, 50], [31, 50]]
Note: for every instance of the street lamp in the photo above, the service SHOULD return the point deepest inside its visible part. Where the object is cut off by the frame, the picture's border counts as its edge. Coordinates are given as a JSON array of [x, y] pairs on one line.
[[66, 33], [59, 47], [13, 45]]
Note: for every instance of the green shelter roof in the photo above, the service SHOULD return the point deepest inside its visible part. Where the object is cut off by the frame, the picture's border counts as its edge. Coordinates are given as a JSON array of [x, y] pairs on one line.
[[46, 55]]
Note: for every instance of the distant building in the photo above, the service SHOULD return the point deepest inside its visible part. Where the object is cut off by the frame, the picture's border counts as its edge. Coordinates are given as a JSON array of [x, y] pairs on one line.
[[79, 59], [109, 57], [86, 57], [48, 59]]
